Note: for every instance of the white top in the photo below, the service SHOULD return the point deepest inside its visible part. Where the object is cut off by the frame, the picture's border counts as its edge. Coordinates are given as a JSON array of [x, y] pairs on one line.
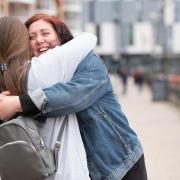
[[59, 65]]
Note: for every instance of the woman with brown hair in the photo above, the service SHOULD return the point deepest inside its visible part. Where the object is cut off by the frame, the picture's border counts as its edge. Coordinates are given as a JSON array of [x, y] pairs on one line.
[[14, 55], [51, 66]]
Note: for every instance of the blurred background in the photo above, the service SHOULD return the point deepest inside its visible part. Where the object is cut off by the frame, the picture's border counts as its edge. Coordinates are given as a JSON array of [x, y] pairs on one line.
[[135, 35], [139, 41]]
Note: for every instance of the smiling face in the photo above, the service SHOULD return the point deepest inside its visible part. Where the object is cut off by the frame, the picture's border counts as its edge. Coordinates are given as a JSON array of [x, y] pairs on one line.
[[42, 37]]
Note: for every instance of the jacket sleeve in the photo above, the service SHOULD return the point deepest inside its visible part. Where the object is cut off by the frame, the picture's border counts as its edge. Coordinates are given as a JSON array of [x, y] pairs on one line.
[[29, 109], [88, 85]]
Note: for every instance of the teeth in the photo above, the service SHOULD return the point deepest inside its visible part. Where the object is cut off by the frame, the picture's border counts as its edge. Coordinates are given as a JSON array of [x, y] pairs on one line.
[[43, 49]]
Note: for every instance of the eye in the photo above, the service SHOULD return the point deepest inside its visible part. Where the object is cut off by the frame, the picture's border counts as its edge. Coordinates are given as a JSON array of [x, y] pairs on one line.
[[32, 37], [45, 33]]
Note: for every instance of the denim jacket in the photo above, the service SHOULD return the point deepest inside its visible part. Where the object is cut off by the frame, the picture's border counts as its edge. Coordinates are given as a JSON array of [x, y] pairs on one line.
[[112, 147]]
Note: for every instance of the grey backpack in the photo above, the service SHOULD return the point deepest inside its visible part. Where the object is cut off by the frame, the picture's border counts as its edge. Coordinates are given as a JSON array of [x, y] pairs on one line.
[[23, 155]]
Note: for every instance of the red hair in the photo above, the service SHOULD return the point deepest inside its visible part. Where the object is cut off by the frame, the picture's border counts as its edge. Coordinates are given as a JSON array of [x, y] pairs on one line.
[[63, 32]]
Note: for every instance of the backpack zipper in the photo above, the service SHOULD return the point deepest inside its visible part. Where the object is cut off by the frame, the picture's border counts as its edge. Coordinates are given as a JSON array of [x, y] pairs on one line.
[[17, 142], [41, 140]]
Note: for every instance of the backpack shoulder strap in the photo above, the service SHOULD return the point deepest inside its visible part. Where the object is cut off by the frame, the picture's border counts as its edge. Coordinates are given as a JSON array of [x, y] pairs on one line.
[[26, 76], [58, 141], [61, 130]]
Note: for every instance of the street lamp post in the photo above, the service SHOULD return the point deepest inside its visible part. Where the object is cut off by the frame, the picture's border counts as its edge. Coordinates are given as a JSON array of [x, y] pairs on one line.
[[167, 21], [5, 8]]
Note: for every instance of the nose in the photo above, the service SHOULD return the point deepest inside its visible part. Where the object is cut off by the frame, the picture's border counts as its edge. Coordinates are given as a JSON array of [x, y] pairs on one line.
[[39, 40]]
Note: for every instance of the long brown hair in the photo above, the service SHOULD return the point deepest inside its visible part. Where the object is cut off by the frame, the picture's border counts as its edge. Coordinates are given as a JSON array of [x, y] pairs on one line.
[[14, 53], [61, 29]]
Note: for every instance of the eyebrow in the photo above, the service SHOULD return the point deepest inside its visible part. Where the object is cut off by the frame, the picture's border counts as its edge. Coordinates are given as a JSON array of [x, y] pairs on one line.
[[41, 30], [46, 29]]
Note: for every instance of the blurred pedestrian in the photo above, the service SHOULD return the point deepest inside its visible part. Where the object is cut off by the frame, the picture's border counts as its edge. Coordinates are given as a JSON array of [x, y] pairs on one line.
[[139, 78], [123, 74]]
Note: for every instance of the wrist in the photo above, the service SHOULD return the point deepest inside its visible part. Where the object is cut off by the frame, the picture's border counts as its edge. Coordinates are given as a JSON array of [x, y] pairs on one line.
[[28, 108], [17, 104]]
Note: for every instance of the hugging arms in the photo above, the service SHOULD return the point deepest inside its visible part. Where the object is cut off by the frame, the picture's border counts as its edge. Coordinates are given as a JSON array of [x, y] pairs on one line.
[[112, 147], [51, 66]]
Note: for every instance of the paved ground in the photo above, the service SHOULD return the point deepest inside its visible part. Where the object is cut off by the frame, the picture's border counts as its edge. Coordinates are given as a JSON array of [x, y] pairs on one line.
[[158, 126]]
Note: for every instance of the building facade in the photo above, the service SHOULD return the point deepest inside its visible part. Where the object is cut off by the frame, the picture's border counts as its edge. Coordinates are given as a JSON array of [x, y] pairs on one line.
[[134, 29], [130, 29], [71, 10]]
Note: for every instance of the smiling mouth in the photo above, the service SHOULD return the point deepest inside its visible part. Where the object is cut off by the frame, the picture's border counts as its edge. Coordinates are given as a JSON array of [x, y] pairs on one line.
[[42, 50]]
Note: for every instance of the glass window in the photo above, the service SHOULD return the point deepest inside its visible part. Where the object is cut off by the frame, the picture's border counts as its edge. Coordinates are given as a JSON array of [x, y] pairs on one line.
[[130, 35]]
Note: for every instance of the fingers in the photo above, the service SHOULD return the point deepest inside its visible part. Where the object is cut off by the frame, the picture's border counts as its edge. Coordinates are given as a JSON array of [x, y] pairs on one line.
[[6, 93], [4, 119]]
